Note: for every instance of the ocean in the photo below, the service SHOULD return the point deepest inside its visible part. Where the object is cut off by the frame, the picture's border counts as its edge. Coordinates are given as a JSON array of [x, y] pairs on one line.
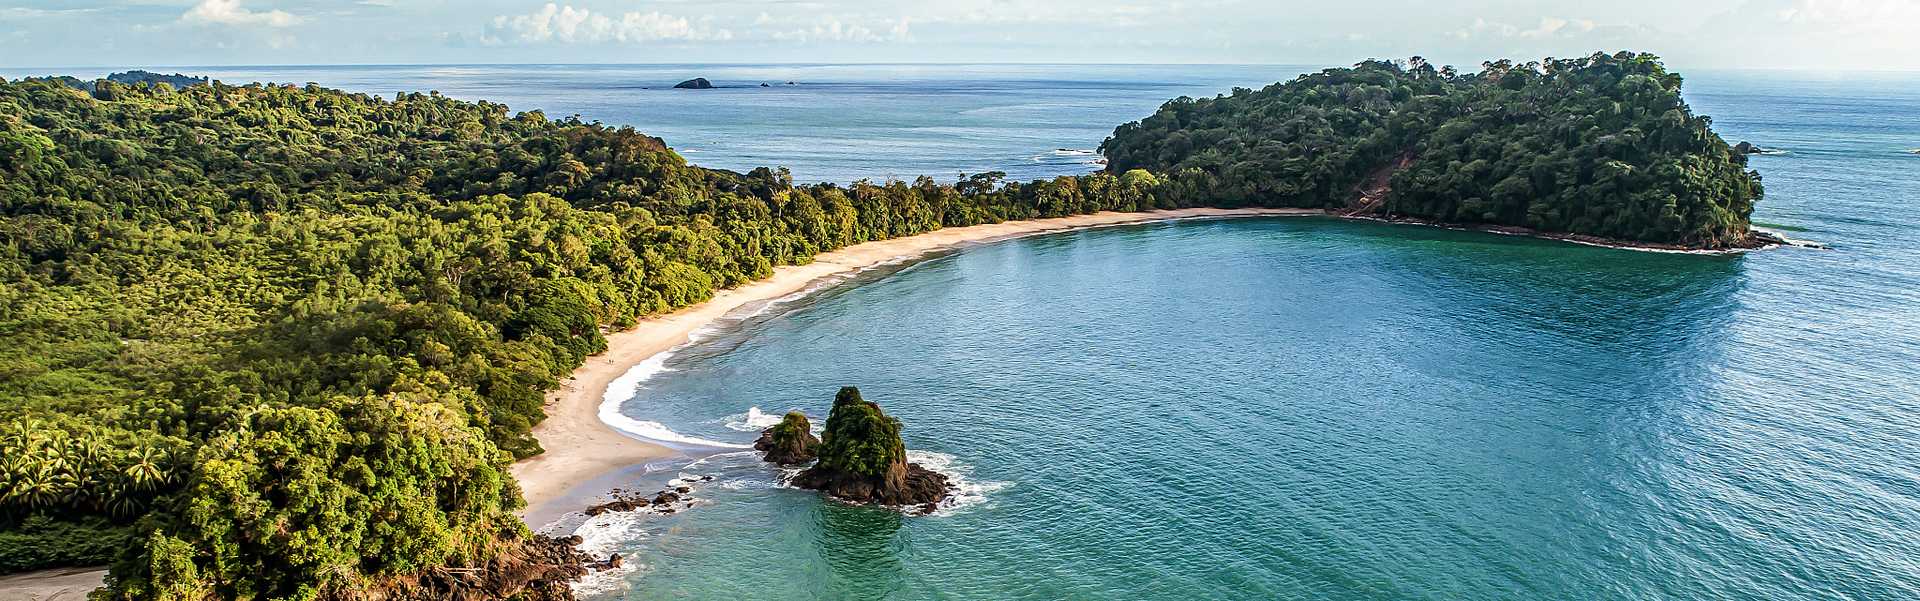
[[1290, 407]]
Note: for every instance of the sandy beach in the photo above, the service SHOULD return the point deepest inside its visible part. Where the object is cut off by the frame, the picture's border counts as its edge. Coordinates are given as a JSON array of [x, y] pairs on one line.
[[580, 447]]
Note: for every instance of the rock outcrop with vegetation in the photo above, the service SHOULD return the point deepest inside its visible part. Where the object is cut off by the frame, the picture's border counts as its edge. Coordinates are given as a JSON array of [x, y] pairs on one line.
[[863, 460], [1600, 146], [790, 442]]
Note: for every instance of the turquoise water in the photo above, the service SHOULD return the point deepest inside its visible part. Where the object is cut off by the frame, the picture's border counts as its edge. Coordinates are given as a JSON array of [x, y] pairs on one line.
[[1287, 408], [1309, 408]]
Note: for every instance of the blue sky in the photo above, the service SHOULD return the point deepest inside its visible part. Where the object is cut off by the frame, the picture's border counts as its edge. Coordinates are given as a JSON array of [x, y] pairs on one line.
[[1802, 34]]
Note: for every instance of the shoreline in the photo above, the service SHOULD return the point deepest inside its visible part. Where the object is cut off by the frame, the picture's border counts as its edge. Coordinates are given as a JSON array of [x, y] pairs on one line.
[[580, 447]]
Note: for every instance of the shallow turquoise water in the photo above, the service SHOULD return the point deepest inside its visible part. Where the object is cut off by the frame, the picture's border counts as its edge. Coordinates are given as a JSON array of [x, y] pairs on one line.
[[1305, 408], [1309, 408]]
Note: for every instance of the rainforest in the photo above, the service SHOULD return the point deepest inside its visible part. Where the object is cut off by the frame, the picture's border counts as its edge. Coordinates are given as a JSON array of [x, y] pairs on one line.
[[271, 341]]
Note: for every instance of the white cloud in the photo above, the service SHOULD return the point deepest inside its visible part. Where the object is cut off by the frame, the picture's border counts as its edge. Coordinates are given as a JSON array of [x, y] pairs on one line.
[[833, 29], [569, 25], [1549, 28], [13, 12], [230, 12]]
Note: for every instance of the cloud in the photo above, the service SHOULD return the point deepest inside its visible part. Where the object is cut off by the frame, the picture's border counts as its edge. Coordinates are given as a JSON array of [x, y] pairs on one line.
[[832, 29], [230, 12], [13, 12], [1549, 28], [569, 25], [1862, 34]]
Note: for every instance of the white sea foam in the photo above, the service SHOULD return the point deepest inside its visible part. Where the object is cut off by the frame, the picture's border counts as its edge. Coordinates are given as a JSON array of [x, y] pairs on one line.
[[628, 385], [625, 387], [754, 420], [967, 491], [657, 432], [606, 534]]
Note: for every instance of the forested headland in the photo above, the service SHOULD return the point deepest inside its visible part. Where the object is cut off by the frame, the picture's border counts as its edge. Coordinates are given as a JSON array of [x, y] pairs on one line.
[[1601, 146], [272, 341]]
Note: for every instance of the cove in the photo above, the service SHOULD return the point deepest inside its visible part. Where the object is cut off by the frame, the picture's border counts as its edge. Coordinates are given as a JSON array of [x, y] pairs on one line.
[[1277, 408]]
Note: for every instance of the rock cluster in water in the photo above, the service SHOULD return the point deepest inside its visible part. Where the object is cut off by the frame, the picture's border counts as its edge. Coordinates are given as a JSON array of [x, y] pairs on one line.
[[791, 442], [863, 460], [697, 83], [666, 501]]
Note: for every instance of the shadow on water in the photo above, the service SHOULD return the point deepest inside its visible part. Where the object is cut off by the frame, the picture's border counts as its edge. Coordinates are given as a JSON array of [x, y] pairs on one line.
[[861, 548]]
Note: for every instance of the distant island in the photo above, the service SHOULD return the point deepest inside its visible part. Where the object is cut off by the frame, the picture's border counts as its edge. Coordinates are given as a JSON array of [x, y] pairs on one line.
[[135, 77], [282, 342]]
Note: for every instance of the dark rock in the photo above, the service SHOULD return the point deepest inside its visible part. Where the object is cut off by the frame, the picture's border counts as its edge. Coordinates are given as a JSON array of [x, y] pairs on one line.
[[666, 498], [765, 86], [1748, 148], [697, 83], [863, 460], [789, 442], [537, 568], [683, 490]]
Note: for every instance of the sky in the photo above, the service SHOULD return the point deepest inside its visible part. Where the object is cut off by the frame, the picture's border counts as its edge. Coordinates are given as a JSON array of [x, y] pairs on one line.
[[1786, 34]]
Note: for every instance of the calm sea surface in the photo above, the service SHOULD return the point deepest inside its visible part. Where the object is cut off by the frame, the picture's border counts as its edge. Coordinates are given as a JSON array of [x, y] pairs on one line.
[[1286, 408]]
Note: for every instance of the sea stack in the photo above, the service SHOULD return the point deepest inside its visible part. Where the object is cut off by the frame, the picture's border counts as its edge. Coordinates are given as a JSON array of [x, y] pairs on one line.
[[863, 460], [789, 442], [697, 83]]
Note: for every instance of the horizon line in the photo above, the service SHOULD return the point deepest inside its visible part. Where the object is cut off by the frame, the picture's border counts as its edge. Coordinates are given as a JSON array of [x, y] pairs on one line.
[[1891, 70]]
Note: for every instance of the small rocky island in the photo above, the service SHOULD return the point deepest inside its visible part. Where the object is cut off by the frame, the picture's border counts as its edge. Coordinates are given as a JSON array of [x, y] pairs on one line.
[[790, 442], [861, 456], [697, 83]]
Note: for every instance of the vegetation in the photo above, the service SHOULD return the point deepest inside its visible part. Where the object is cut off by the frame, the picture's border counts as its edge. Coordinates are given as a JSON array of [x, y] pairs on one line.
[[282, 342], [287, 339], [789, 442], [1601, 145], [859, 439]]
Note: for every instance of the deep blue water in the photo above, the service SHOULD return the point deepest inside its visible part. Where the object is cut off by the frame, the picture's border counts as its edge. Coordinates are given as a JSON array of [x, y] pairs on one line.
[[1289, 408]]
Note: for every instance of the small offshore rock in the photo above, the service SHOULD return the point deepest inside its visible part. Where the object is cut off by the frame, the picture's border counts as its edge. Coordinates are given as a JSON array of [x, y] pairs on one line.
[[790, 442]]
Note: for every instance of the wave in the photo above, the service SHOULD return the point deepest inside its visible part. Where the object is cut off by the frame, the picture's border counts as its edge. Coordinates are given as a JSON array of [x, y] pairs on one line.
[[604, 535], [1915, 151], [754, 420], [967, 491], [628, 385]]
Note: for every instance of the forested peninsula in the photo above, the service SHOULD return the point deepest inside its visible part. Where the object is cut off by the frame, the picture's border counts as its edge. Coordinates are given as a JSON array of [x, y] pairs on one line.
[[270, 341], [1601, 146]]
